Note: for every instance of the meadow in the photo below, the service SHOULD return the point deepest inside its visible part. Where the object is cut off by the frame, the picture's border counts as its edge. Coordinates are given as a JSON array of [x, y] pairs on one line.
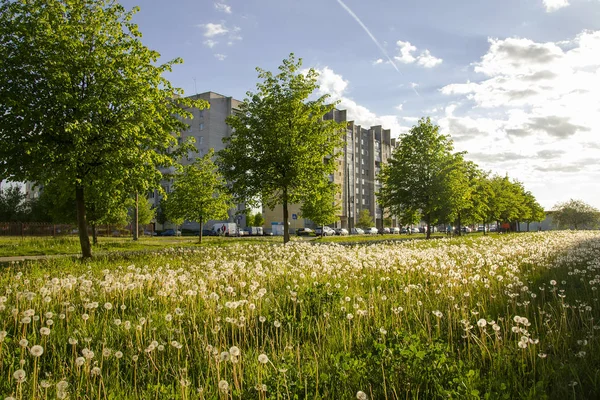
[[505, 317], [69, 245]]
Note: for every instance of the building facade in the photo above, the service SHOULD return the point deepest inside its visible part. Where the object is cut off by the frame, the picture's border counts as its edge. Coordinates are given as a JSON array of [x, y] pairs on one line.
[[208, 128], [364, 152]]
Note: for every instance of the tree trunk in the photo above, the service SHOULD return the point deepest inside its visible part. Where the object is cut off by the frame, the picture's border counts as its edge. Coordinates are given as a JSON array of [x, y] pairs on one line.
[[484, 228], [135, 219], [200, 233], [84, 239], [428, 220], [458, 222], [528, 226], [286, 228], [94, 235]]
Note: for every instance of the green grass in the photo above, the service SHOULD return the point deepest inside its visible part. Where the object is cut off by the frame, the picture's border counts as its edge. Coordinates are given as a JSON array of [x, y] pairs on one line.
[[503, 317], [34, 246]]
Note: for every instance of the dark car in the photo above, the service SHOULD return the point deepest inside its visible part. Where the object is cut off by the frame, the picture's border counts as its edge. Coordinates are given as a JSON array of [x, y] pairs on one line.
[[170, 232]]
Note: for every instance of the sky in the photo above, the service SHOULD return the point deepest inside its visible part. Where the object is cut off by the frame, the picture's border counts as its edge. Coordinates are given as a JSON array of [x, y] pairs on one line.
[[515, 83]]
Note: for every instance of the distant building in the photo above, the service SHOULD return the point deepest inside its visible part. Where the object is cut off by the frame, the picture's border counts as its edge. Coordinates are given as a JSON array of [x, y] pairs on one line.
[[208, 128], [364, 152]]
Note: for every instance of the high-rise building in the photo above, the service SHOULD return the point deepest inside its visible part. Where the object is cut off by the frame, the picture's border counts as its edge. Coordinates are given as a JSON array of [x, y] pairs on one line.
[[364, 152], [208, 128]]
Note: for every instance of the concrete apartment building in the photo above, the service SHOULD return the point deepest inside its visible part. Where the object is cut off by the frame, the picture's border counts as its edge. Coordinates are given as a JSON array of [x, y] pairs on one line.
[[360, 160], [208, 128]]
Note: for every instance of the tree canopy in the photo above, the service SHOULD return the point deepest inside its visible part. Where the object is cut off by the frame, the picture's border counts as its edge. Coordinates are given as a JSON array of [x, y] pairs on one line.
[[321, 208], [365, 219], [84, 102], [199, 193], [281, 149], [575, 214], [417, 178]]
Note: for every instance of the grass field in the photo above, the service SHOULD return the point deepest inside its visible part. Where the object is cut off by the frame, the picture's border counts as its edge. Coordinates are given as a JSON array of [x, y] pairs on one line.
[[505, 317], [33, 246]]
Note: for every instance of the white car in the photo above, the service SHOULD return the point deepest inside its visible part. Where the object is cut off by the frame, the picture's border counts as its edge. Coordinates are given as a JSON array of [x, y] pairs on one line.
[[372, 231], [357, 231]]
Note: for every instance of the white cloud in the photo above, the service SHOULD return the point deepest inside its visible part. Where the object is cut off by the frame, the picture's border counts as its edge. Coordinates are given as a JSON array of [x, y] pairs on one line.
[[406, 49], [378, 61], [406, 56], [220, 57], [556, 92], [210, 43], [223, 7], [553, 5], [336, 86], [399, 107], [535, 112], [211, 30], [234, 35], [428, 61]]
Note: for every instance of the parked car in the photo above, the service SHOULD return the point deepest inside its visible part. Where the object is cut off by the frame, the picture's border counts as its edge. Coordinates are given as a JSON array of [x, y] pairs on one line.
[[341, 231], [304, 232], [466, 229], [253, 231], [170, 232], [357, 231], [268, 232], [384, 231], [371, 231], [325, 231], [482, 228], [149, 233], [208, 232], [414, 229], [395, 230]]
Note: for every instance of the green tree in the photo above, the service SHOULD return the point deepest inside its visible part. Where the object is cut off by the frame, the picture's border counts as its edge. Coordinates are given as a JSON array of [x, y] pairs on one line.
[[13, 204], [321, 207], [146, 213], [281, 148], [365, 220], [250, 219], [84, 101], [259, 220], [415, 179], [199, 193], [536, 211], [575, 214]]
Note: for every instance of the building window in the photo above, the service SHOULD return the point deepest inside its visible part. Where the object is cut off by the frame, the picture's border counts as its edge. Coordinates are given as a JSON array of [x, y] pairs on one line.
[[201, 126], [201, 114], [200, 139]]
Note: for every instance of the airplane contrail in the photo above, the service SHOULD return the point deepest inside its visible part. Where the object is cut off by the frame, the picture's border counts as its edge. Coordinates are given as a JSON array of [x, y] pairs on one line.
[[368, 33]]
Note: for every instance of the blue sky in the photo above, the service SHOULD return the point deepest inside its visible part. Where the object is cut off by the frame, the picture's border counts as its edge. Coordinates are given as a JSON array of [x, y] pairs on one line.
[[515, 83]]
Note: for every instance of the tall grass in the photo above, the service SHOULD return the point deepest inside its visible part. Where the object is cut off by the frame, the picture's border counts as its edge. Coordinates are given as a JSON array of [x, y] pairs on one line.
[[505, 317]]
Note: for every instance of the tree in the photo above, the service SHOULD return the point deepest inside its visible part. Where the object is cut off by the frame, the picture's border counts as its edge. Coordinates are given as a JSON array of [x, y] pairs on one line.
[[250, 219], [84, 102], [415, 180], [281, 147], [365, 220], [199, 193], [259, 220], [321, 208], [13, 204], [146, 213], [535, 213], [575, 214]]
